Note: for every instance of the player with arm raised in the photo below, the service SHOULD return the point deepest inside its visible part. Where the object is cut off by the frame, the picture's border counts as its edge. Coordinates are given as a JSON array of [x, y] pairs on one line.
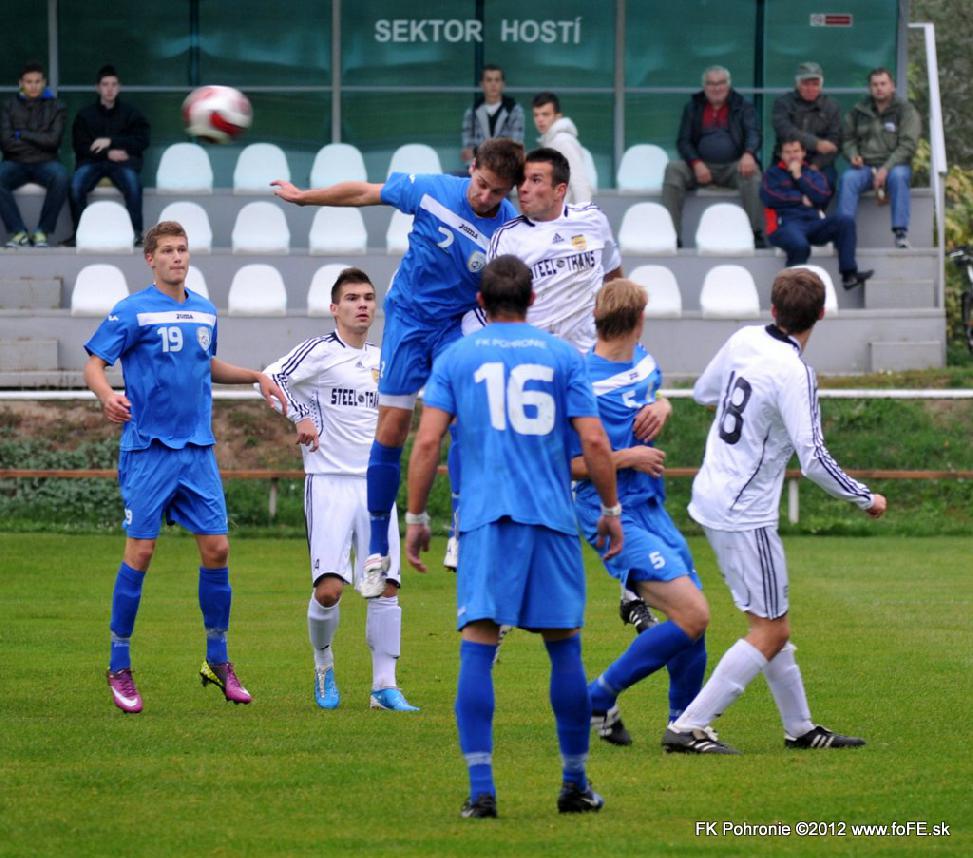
[[165, 337], [331, 385], [766, 410], [655, 561], [519, 395], [436, 283]]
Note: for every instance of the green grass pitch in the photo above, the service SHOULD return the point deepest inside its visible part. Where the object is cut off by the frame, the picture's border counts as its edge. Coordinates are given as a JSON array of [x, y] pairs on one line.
[[884, 636]]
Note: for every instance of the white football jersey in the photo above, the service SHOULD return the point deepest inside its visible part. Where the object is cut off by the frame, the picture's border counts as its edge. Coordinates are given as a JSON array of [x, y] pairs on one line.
[[568, 258], [766, 400], [335, 385]]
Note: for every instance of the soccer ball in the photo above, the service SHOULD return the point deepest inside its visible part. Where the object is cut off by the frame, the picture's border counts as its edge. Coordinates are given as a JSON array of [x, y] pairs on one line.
[[216, 113]]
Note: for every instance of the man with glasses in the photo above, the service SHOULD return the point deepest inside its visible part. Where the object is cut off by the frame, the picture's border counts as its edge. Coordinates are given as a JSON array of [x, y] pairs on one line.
[[719, 141]]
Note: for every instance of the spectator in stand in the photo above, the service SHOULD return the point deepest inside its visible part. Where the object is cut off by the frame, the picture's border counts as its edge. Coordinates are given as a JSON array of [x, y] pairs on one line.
[[879, 138], [493, 114], [795, 195], [31, 126], [559, 132], [806, 114], [109, 138], [719, 140]]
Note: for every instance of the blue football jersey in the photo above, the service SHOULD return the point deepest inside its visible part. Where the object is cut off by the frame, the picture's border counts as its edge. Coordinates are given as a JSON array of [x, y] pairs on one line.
[[621, 390], [515, 390], [165, 348], [440, 273]]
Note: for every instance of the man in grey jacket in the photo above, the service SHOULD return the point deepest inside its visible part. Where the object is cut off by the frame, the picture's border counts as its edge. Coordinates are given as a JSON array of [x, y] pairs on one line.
[[879, 136], [31, 127], [493, 114], [559, 132], [806, 114]]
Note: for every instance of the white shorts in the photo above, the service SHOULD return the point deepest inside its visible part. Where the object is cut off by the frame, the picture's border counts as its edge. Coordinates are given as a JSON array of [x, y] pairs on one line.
[[754, 568], [336, 515], [579, 331]]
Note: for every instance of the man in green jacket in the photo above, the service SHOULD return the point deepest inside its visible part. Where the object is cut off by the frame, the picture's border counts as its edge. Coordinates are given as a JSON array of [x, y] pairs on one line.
[[879, 137]]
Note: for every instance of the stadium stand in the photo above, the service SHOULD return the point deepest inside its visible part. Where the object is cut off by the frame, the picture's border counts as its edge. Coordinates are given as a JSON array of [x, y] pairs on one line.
[[397, 236], [184, 169], [195, 221], [724, 230], [105, 227], [337, 162], [590, 168], [98, 288], [196, 281], [414, 158], [257, 166], [337, 230], [647, 230], [257, 290], [729, 292], [319, 292], [260, 228], [659, 283], [642, 168]]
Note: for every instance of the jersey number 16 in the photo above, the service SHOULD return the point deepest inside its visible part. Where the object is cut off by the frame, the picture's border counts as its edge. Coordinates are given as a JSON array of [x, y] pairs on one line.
[[511, 401]]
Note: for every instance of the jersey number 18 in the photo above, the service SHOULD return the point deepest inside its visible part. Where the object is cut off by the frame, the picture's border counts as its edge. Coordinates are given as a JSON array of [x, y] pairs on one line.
[[735, 399]]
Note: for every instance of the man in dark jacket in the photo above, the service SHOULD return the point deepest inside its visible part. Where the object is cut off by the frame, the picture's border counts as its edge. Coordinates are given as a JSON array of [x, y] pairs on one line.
[[719, 140], [806, 114], [795, 196], [109, 139], [493, 114], [31, 126]]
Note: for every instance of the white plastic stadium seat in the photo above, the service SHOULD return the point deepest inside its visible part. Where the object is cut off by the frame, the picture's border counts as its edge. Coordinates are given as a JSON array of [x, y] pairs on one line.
[[195, 221], [257, 166], [337, 230], [729, 293], [642, 168], [397, 235], [184, 169], [319, 292], [724, 230], [260, 228], [257, 290], [659, 283], [337, 162], [97, 289], [105, 227], [196, 282], [590, 168], [414, 158], [830, 295], [647, 229]]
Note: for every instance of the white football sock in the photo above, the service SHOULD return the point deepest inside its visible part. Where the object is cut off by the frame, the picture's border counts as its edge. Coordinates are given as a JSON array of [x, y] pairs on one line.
[[739, 665], [784, 678], [322, 623], [628, 595], [383, 632]]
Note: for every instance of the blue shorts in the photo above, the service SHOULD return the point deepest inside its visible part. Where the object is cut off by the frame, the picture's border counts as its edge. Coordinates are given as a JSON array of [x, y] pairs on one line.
[[654, 549], [521, 575], [183, 485], [409, 347]]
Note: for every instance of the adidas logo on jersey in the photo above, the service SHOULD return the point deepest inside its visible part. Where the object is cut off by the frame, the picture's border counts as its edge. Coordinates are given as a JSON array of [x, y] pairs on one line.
[[557, 239]]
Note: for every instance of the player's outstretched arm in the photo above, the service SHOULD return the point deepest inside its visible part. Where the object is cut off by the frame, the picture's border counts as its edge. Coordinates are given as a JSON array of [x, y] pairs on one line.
[[877, 509], [228, 373], [346, 194], [651, 460], [422, 471], [116, 407], [597, 453]]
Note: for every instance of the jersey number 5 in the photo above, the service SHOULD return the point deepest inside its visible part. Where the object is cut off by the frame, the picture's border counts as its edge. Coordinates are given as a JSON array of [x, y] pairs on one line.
[[735, 399], [513, 405]]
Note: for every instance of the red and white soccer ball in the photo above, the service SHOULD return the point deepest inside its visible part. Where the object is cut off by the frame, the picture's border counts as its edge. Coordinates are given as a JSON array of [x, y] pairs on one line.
[[216, 113]]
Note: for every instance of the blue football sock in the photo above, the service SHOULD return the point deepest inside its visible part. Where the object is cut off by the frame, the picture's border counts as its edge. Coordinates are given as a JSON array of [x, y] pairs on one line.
[[572, 709], [474, 714], [382, 483], [645, 654], [214, 602], [686, 670], [453, 469], [124, 607]]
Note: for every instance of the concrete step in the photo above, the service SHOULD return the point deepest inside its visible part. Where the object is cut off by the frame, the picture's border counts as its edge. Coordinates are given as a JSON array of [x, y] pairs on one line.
[[28, 355], [30, 293], [896, 356], [885, 294]]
